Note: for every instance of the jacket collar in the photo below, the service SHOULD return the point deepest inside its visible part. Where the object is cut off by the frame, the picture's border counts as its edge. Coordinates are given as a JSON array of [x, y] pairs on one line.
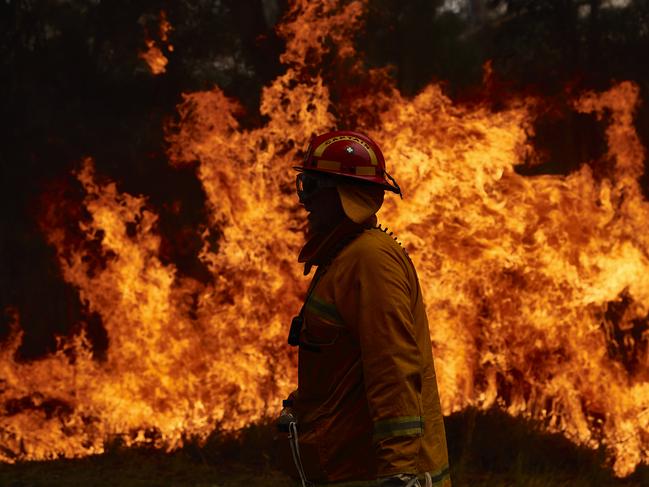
[[320, 248]]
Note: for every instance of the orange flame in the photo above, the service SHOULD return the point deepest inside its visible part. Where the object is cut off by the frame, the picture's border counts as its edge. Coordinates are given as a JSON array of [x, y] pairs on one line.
[[154, 56], [529, 281]]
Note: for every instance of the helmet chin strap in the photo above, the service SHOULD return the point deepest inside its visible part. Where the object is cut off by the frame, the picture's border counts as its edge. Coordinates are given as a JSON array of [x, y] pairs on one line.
[[395, 184]]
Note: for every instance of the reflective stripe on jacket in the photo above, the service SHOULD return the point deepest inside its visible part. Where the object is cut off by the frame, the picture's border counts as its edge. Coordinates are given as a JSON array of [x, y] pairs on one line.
[[367, 401]]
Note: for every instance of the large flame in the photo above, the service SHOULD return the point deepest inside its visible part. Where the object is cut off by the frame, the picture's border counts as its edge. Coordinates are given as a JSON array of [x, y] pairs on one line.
[[537, 288]]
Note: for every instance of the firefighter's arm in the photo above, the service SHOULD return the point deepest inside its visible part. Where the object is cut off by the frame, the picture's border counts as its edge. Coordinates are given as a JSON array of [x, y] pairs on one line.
[[374, 301]]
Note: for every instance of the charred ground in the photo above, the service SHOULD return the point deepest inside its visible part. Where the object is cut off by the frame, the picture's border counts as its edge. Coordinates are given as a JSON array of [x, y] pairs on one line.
[[485, 448]]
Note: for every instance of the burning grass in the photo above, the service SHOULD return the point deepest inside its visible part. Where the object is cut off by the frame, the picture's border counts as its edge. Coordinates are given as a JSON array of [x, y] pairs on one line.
[[486, 449]]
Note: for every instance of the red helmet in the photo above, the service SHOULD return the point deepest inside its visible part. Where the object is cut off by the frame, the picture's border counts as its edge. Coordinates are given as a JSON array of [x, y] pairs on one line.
[[348, 154]]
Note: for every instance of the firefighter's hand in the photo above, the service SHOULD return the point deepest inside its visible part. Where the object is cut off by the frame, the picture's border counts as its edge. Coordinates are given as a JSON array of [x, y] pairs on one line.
[[399, 480], [286, 417]]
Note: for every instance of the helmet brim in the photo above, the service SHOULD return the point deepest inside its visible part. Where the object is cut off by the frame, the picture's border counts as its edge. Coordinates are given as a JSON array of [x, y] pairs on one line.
[[347, 177]]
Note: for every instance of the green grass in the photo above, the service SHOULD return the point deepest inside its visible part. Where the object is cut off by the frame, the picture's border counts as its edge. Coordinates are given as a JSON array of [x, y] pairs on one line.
[[485, 449]]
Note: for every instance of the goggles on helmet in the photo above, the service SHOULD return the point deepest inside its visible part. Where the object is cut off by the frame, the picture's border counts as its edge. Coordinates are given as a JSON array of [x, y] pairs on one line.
[[306, 185]]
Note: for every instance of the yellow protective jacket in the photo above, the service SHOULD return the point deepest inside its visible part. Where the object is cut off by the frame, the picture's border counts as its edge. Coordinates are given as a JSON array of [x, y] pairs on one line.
[[367, 401]]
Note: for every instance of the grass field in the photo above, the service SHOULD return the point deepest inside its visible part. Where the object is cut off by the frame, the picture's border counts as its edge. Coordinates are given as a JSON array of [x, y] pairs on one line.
[[485, 449]]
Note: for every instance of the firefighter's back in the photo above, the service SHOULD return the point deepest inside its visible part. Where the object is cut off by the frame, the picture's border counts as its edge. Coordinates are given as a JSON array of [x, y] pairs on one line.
[[367, 398]]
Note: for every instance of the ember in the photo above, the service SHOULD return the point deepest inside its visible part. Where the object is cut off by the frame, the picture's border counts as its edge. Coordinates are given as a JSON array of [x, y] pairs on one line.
[[154, 56]]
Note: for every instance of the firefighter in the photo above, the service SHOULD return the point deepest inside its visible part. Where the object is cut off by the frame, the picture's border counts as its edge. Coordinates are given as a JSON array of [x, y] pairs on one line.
[[366, 411]]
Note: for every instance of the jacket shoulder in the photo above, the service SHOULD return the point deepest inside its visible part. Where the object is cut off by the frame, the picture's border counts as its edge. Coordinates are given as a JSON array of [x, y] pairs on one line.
[[372, 245]]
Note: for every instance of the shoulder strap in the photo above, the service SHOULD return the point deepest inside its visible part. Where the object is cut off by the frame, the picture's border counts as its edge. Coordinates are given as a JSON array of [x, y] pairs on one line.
[[296, 323], [316, 277]]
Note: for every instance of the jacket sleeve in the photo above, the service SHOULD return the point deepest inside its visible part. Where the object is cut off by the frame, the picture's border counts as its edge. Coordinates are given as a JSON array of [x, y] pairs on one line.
[[374, 299]]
